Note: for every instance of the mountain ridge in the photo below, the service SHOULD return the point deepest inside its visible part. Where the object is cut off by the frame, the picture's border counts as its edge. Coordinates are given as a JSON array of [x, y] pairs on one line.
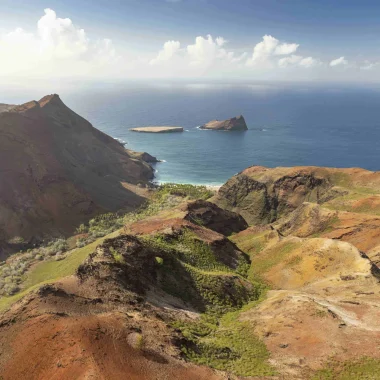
[[63, 169]]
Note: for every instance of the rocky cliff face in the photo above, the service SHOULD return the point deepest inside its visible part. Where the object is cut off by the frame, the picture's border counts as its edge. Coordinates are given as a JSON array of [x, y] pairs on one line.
[[58, 170], [262, 195], [235, 124]]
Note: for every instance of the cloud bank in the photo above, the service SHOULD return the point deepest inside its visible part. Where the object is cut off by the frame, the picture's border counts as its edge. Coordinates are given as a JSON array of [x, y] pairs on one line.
[[59, 48]]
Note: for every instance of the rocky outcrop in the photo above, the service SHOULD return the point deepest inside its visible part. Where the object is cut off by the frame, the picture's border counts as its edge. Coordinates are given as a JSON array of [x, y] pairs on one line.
[[234, 124], [262, 195], [143, 156], [57, 171], [5, 107], [213, 217]]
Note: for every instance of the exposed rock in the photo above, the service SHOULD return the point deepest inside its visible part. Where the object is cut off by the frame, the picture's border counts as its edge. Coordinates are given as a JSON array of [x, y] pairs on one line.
[[158, 129], [262, 195], [58, 170], [213, 217], [234, 124], [5, 107], [143, 156], [128, 264], [306, 220]]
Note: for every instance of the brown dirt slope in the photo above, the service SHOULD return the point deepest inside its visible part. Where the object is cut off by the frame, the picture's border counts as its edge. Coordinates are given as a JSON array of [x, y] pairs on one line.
[[57, 333], [111, 320], [57, 170]]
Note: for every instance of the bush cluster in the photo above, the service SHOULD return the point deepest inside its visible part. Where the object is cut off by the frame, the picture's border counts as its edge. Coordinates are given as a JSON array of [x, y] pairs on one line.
[[12, 271]]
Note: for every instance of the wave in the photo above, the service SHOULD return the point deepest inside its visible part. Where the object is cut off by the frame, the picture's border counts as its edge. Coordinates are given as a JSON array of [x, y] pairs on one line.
[[120, 140]]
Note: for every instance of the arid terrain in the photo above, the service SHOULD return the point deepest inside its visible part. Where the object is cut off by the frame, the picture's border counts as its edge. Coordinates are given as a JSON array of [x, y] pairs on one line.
[[273, 277]]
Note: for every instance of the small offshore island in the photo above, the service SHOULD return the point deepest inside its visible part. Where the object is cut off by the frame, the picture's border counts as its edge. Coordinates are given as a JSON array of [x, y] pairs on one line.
[[157, 129], [234, 124]]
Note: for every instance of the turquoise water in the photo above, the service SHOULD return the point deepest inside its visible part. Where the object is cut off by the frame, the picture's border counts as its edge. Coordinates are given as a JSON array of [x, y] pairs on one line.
[[288, 126]]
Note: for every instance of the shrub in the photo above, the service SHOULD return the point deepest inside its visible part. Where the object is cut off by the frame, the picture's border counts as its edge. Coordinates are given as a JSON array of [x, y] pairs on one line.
[[82, 229]]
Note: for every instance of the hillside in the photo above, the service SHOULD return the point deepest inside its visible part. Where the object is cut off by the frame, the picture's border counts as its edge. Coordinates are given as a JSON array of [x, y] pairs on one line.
[[187, 289], [58, 170]]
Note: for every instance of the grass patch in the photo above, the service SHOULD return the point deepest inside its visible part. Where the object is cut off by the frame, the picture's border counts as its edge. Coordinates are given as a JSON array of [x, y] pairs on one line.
[[226, 343], [185, 191], [251, 244], [188, 249], [362, 369], [188, 269], [48, 271]]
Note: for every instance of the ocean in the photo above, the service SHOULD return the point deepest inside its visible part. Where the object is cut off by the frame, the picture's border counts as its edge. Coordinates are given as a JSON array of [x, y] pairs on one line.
[[289, 125]]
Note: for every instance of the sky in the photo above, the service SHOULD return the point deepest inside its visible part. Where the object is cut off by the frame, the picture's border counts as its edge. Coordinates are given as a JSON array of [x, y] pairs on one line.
[[242, 40]]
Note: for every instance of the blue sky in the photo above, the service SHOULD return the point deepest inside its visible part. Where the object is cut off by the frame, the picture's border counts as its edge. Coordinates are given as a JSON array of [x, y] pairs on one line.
[[346, 32]]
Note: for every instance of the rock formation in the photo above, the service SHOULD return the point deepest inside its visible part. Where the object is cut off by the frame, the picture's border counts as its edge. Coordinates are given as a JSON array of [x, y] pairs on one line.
[[235, 124], [57, 170], [5, 107], [262, 195], [143, 156]]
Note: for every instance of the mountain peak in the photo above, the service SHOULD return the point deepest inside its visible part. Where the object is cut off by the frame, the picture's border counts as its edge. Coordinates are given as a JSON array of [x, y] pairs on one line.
[[50, 99]]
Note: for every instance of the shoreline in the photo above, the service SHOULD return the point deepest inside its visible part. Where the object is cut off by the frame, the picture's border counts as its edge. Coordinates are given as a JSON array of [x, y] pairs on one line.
[[212, 187]]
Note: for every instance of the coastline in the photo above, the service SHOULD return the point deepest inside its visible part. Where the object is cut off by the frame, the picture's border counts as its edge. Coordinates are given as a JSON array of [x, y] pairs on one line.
[[212, 187]]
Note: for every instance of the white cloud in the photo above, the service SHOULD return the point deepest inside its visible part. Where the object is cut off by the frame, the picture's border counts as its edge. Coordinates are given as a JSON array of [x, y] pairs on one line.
[[58, 48], [289, 61], [285, 49], [60, 38], [205, 51], [298, 60], [338, 62], [264, 51], [310, 62], [169, 50]]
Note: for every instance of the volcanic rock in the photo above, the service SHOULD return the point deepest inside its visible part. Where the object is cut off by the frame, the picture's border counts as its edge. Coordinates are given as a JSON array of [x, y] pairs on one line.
[[234, 124]]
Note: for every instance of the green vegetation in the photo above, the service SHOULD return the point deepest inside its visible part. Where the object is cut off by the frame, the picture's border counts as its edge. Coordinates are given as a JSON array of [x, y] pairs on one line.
[[253, 243], [191, 271], [185, 191], [218, 339], [189, 249], [362, 369], [226, 343], [13, 273], [159, 260], [166, 196], [51, 270], [118, 257]]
